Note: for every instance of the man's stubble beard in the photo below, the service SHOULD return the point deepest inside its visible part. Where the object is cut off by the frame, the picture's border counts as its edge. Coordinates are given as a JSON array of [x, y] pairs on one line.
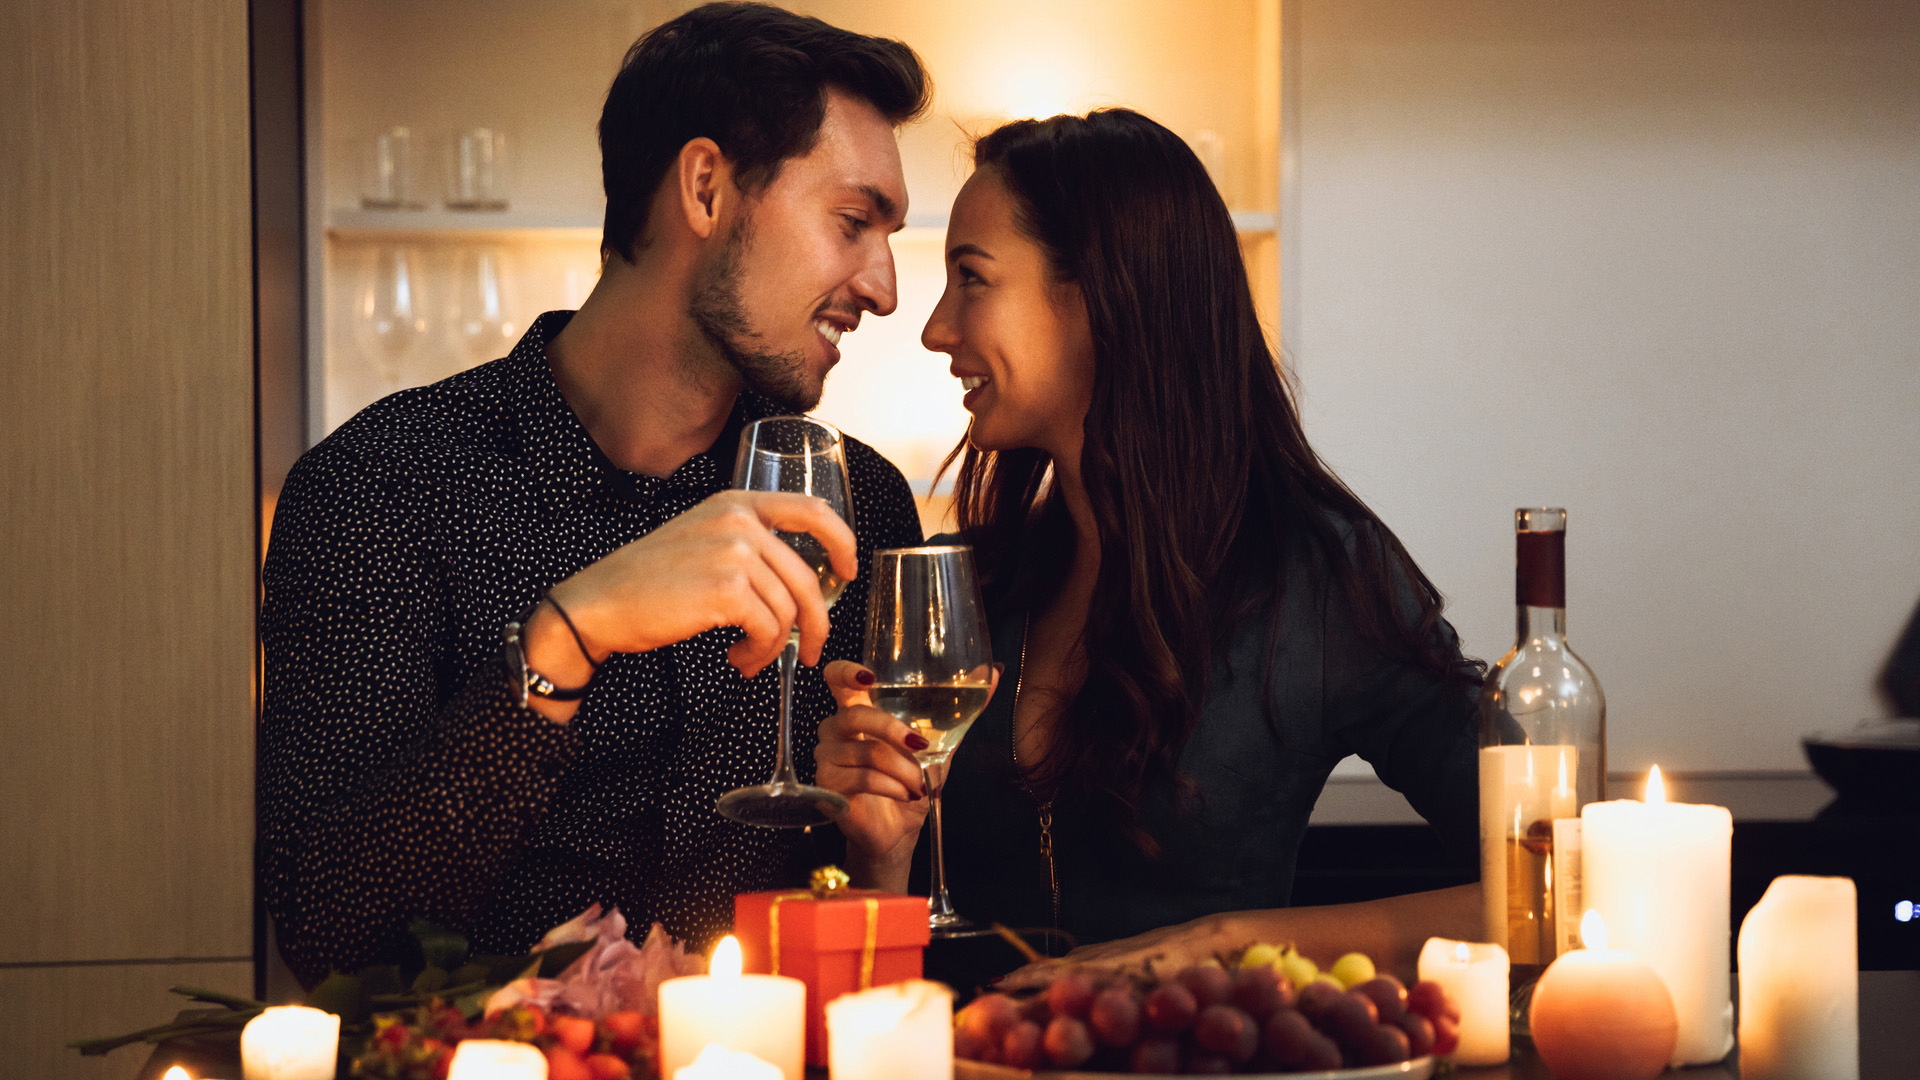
[[722, 318]]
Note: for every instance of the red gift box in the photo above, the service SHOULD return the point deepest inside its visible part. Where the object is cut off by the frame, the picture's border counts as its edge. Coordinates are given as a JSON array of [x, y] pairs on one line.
[[851, 940]]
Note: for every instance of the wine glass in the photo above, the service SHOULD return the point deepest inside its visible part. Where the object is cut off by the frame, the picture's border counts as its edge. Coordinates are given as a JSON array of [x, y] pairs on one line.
[[793, 453], [932, 662], [390, 313]]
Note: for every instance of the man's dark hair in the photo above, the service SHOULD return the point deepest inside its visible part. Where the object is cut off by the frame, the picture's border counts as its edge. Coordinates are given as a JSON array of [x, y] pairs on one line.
[[751, 77]]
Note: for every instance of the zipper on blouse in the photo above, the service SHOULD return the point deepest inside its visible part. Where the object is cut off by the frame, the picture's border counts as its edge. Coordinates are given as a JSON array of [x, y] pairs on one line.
[[1045, 807]]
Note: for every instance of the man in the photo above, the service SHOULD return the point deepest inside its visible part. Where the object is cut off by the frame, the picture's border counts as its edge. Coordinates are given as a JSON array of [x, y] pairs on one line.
[[573, 495]]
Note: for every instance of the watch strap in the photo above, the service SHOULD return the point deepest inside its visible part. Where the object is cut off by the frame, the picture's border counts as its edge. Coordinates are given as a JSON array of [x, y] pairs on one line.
[[522, 679]]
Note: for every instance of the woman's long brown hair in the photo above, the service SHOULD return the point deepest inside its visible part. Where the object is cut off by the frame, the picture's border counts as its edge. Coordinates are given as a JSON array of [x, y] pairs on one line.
[[1199, 474]]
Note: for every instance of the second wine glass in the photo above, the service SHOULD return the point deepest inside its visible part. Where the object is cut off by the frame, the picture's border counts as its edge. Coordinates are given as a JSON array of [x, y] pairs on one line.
[[932, 661], [793, 453]]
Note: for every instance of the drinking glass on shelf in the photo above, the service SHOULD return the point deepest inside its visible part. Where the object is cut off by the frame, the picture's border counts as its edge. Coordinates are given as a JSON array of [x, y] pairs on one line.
[[480, 328], [390, 180], [793, 453], [476, 170], [932, 662], [390, 313]]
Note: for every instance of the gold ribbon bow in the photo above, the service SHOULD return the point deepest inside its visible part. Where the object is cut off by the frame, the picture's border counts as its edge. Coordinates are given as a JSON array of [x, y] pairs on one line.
[[825, 881]]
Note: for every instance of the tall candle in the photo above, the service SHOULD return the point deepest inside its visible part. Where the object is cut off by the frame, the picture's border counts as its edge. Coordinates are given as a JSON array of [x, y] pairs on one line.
[[1800, 982], [497, 1059], [899, 1032], [290, 1042], [1475, 977], [1660, 874], [763, 1015], [719, 1063]]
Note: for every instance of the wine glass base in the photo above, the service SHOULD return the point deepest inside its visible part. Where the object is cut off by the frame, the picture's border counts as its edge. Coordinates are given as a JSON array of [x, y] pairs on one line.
[[949, 927], [782, 806]]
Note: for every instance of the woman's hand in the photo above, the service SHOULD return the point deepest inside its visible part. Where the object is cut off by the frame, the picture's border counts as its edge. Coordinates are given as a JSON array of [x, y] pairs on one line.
[[1170, 948], [867, 755]]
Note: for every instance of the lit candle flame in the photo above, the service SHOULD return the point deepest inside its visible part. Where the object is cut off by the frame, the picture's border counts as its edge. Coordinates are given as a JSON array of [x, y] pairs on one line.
[[1656, 788], [176, 1073], [1593, 931], [1460, 953], [725, 963]]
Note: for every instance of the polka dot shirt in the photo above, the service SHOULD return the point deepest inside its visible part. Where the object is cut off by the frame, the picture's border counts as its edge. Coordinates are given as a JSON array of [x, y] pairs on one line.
[[400, 778]]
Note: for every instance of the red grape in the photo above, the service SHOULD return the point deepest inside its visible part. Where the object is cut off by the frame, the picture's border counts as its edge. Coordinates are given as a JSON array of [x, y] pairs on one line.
[[1316, 998], [1427, 999], [1225, 1030], [1170, 1008], [1036, 1009], [1292, 1041], [1068, 1042], [1419, 1031], [1022, 1047], [989, 1018], [1388, 996], [1257, 992], [1210, 985], [1446, 1036], [1350, 1020], [1154, 1055], [1386, 1046], [1115, 1016], [1071, 995], [1207, 1065]]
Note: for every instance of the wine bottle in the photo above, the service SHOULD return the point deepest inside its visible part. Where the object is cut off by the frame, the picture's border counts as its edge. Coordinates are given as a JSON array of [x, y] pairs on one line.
[[1542, 757]]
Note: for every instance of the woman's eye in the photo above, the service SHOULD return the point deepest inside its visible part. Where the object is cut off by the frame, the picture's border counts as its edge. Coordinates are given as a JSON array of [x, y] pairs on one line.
[[967, 277]]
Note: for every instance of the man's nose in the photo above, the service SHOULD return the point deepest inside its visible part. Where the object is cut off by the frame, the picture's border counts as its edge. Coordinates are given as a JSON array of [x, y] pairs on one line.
[[876, 285]]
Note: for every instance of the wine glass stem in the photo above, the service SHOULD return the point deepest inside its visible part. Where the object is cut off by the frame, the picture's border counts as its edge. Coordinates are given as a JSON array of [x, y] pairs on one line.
[[941, 904], [783, 765]]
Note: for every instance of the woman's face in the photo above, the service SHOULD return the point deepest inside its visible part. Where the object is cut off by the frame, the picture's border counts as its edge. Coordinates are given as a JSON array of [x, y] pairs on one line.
[[1020, 342]]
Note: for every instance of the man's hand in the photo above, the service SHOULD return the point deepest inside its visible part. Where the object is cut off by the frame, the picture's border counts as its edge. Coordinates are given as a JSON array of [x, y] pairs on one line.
[[718, 564]]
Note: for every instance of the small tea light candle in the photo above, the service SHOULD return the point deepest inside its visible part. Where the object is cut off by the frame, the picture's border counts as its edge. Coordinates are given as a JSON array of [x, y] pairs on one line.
[[1602, 1014], [898, 1032], [290, 1042], [719, 1063], [1800, 982], [764, 1015], [1475, 977], [497, 1059]]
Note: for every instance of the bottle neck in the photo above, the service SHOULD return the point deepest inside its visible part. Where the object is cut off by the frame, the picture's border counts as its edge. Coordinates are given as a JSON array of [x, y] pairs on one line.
[[1542, 623]]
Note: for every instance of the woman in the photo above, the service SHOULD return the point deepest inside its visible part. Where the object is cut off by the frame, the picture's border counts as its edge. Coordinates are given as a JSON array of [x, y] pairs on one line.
[[1198, 618]]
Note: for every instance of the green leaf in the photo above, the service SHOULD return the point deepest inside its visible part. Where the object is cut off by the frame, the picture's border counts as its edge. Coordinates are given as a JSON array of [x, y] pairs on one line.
[[440, 946], [430, 981], [344, 996], [216, 997], [471, 972], [555, 960]]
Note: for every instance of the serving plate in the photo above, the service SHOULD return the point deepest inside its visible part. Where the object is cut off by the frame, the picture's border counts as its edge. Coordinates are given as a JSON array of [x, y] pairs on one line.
[[1419, 1068]]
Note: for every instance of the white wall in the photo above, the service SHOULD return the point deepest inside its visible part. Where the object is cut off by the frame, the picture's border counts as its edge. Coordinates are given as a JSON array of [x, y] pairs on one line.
[[1658, 263]]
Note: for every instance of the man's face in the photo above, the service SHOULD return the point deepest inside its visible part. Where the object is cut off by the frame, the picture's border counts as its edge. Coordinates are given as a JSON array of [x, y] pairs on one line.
[[807, 257]]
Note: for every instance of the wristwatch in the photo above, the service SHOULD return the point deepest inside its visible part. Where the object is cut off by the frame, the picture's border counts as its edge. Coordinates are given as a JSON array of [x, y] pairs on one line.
[[523, 680]]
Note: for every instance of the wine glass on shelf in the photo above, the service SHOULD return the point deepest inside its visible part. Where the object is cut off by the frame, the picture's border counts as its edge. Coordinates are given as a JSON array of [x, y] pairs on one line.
[[390, 313], [932, 663], [793, 453]]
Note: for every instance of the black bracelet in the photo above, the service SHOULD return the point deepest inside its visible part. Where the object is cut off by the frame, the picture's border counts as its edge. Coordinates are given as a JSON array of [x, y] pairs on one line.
[[572, 629]]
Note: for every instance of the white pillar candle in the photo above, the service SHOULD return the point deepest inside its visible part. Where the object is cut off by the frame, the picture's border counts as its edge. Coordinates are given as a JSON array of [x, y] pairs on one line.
[[1660, 874], [899, 1032], [290, 1042], [1475, 977], [497, 1059], [1800, 982], [719, 1063], [763, 1015]]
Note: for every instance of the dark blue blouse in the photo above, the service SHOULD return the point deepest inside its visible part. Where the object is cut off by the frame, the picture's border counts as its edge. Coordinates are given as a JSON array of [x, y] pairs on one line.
[[1257, 773]]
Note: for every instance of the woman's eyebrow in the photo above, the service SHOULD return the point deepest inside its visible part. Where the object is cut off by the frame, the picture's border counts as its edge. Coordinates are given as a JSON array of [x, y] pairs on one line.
[[958, 250]]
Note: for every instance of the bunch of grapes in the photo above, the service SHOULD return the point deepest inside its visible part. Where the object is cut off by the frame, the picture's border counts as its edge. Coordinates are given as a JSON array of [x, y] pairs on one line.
[[1208, 1020], [418, 1045]]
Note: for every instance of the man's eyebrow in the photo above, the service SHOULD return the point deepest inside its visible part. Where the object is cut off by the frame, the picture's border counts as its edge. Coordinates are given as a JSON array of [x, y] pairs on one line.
[[881, 201], [958, 250]]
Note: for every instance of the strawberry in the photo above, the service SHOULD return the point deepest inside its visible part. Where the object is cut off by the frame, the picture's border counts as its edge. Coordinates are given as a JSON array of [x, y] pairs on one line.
[[608, 1067], [573, 1032], [564, 1064], [625, 1030]]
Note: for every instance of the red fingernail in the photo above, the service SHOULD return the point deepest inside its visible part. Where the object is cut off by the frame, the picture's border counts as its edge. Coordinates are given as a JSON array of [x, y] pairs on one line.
[[913, 796], [863, 677], [916, 741]]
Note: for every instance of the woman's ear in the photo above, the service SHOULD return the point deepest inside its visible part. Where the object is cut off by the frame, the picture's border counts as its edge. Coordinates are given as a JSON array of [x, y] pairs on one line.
[[704, 180]]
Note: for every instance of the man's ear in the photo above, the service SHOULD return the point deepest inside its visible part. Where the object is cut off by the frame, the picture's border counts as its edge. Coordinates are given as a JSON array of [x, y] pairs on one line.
[[704, 179]]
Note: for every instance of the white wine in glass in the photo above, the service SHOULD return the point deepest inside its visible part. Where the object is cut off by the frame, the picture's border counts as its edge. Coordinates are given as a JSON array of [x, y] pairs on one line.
[[793, 453], [932, 662]]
